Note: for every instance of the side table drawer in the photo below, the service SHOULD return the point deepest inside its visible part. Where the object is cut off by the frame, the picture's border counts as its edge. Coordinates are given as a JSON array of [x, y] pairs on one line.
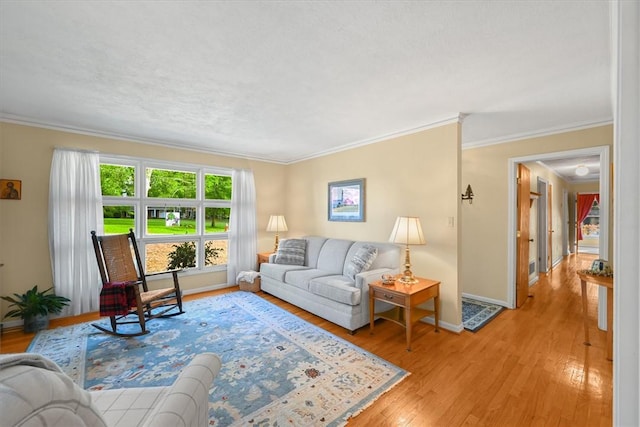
[[389, 296]]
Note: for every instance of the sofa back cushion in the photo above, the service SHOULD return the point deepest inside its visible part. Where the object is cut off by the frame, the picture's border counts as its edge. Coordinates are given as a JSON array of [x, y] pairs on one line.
[[333, 254], [314, 244]]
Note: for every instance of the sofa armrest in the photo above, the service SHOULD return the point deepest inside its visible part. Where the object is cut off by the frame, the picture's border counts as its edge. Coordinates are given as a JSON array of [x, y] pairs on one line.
[[35, 392], [363, 279], [187, 400]]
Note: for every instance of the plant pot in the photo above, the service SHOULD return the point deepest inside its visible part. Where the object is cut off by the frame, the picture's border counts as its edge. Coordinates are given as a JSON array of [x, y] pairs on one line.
[[36, 323]]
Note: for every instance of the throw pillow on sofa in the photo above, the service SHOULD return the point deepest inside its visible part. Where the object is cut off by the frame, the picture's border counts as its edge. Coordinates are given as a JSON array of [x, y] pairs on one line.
[[362, 260], [291, 252]]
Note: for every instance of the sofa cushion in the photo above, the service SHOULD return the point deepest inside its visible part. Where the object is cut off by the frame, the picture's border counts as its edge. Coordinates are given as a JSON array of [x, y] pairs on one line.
[[361, 260], [278, 271], [336, 288], [291, 252], [300, 278], [333, 255], [314, 245]]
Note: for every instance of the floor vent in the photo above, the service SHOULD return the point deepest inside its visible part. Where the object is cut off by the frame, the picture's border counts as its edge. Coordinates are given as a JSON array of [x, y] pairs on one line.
[[532, 267]]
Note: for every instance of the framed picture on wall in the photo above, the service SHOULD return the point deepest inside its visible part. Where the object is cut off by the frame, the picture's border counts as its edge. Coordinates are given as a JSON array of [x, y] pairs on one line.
[[346, 200], [10, 189]]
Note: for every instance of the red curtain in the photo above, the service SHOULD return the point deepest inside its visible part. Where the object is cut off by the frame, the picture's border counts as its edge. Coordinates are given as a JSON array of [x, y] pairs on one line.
[[585, 202]]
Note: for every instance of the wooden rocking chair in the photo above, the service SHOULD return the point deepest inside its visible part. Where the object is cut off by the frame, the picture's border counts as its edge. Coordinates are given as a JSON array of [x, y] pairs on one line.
[[124, 285]]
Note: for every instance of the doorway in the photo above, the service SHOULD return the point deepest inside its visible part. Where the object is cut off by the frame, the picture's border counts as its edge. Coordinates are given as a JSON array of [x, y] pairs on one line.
[[604, 184]]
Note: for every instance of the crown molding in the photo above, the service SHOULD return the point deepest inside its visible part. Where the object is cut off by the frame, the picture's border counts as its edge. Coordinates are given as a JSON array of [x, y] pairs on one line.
[[536, 134], [8, 118], [458, 118]]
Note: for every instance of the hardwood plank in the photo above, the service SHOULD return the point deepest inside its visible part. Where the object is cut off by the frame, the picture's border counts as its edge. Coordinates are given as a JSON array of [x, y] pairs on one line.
[[528, 367]]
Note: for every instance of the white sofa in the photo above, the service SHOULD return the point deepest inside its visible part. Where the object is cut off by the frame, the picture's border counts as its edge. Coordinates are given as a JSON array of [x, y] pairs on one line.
[[34, 392], [323, 286]]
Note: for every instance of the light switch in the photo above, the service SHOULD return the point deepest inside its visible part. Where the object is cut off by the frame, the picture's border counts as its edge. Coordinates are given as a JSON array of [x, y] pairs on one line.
[[450, 221]]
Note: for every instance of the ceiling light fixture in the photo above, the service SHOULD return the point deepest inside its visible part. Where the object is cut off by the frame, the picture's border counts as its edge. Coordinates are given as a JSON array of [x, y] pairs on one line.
[[582, 170]]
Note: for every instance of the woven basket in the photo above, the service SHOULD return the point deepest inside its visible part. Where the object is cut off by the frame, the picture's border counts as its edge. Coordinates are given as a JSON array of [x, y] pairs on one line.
[[250, 287]]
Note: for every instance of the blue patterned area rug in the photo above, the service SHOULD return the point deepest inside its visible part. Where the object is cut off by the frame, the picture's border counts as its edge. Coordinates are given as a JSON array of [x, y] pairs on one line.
[[476, 314], [277, 368]]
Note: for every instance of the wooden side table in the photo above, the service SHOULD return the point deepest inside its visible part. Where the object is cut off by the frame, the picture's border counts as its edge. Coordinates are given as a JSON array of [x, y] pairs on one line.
[[263, 257], [405, 298], [608, 283]]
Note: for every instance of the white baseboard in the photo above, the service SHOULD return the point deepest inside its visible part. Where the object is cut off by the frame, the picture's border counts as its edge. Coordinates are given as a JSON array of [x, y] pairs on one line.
[[485, 299], [12, 324], [444, 325]]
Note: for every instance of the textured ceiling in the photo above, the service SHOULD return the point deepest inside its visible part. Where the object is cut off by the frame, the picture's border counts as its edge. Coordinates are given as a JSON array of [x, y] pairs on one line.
[[288, 80]]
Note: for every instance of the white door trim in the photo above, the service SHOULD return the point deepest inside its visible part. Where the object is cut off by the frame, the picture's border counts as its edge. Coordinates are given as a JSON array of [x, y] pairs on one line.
[[603, 152], [625, 41]]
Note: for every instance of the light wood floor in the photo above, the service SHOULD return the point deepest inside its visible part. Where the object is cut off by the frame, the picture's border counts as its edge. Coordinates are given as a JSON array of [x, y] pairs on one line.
[[528, 367]]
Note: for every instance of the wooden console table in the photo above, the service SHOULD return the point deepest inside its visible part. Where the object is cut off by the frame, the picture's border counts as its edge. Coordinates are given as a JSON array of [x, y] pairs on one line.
[[405, 298], [608, 283]]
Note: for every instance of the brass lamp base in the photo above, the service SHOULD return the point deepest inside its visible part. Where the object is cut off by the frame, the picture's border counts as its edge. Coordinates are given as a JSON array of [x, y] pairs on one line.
[[407, 276], [408, 280]]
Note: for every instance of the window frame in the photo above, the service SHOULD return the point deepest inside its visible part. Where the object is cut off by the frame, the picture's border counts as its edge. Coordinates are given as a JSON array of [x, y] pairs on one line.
[[141, 203]]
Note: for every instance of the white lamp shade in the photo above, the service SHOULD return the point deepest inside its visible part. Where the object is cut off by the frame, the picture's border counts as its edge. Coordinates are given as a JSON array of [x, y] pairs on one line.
[[277, 223], [407, 231]]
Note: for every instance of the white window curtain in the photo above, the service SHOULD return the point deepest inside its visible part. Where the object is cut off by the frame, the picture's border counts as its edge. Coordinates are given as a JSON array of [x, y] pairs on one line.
[[75, 208], [242, 225]]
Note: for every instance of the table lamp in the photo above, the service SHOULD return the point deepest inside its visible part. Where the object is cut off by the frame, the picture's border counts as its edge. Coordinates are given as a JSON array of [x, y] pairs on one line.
[[277, 224], [407, 231]]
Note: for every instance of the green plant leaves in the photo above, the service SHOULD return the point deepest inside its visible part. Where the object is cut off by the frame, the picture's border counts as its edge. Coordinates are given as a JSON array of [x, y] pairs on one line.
[[33, 303]]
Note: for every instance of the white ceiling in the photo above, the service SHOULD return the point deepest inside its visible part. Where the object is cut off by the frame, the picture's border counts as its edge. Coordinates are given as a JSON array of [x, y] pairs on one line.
[[566, 168], [289, 80]]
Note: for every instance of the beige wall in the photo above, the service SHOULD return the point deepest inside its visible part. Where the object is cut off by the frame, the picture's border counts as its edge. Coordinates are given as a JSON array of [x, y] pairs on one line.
[[485, 222], [25, 154], [414, 175]]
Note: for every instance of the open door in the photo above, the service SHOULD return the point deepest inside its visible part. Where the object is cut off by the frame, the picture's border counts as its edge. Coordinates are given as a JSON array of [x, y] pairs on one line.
[[523, 235]]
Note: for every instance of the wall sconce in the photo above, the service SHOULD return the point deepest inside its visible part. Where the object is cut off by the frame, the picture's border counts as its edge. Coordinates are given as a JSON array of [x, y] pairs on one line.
[[468, 195]]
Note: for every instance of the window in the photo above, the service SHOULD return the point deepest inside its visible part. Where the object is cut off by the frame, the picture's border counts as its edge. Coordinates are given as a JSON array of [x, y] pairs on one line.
[[180, 212], [591, 224]]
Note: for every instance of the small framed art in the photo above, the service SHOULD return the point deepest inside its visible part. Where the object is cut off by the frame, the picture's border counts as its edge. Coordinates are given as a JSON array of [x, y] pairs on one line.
[[346, 200], [10, 189]]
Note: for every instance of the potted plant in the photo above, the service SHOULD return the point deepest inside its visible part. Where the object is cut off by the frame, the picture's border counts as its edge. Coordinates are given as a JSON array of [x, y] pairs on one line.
[[34, 307]]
